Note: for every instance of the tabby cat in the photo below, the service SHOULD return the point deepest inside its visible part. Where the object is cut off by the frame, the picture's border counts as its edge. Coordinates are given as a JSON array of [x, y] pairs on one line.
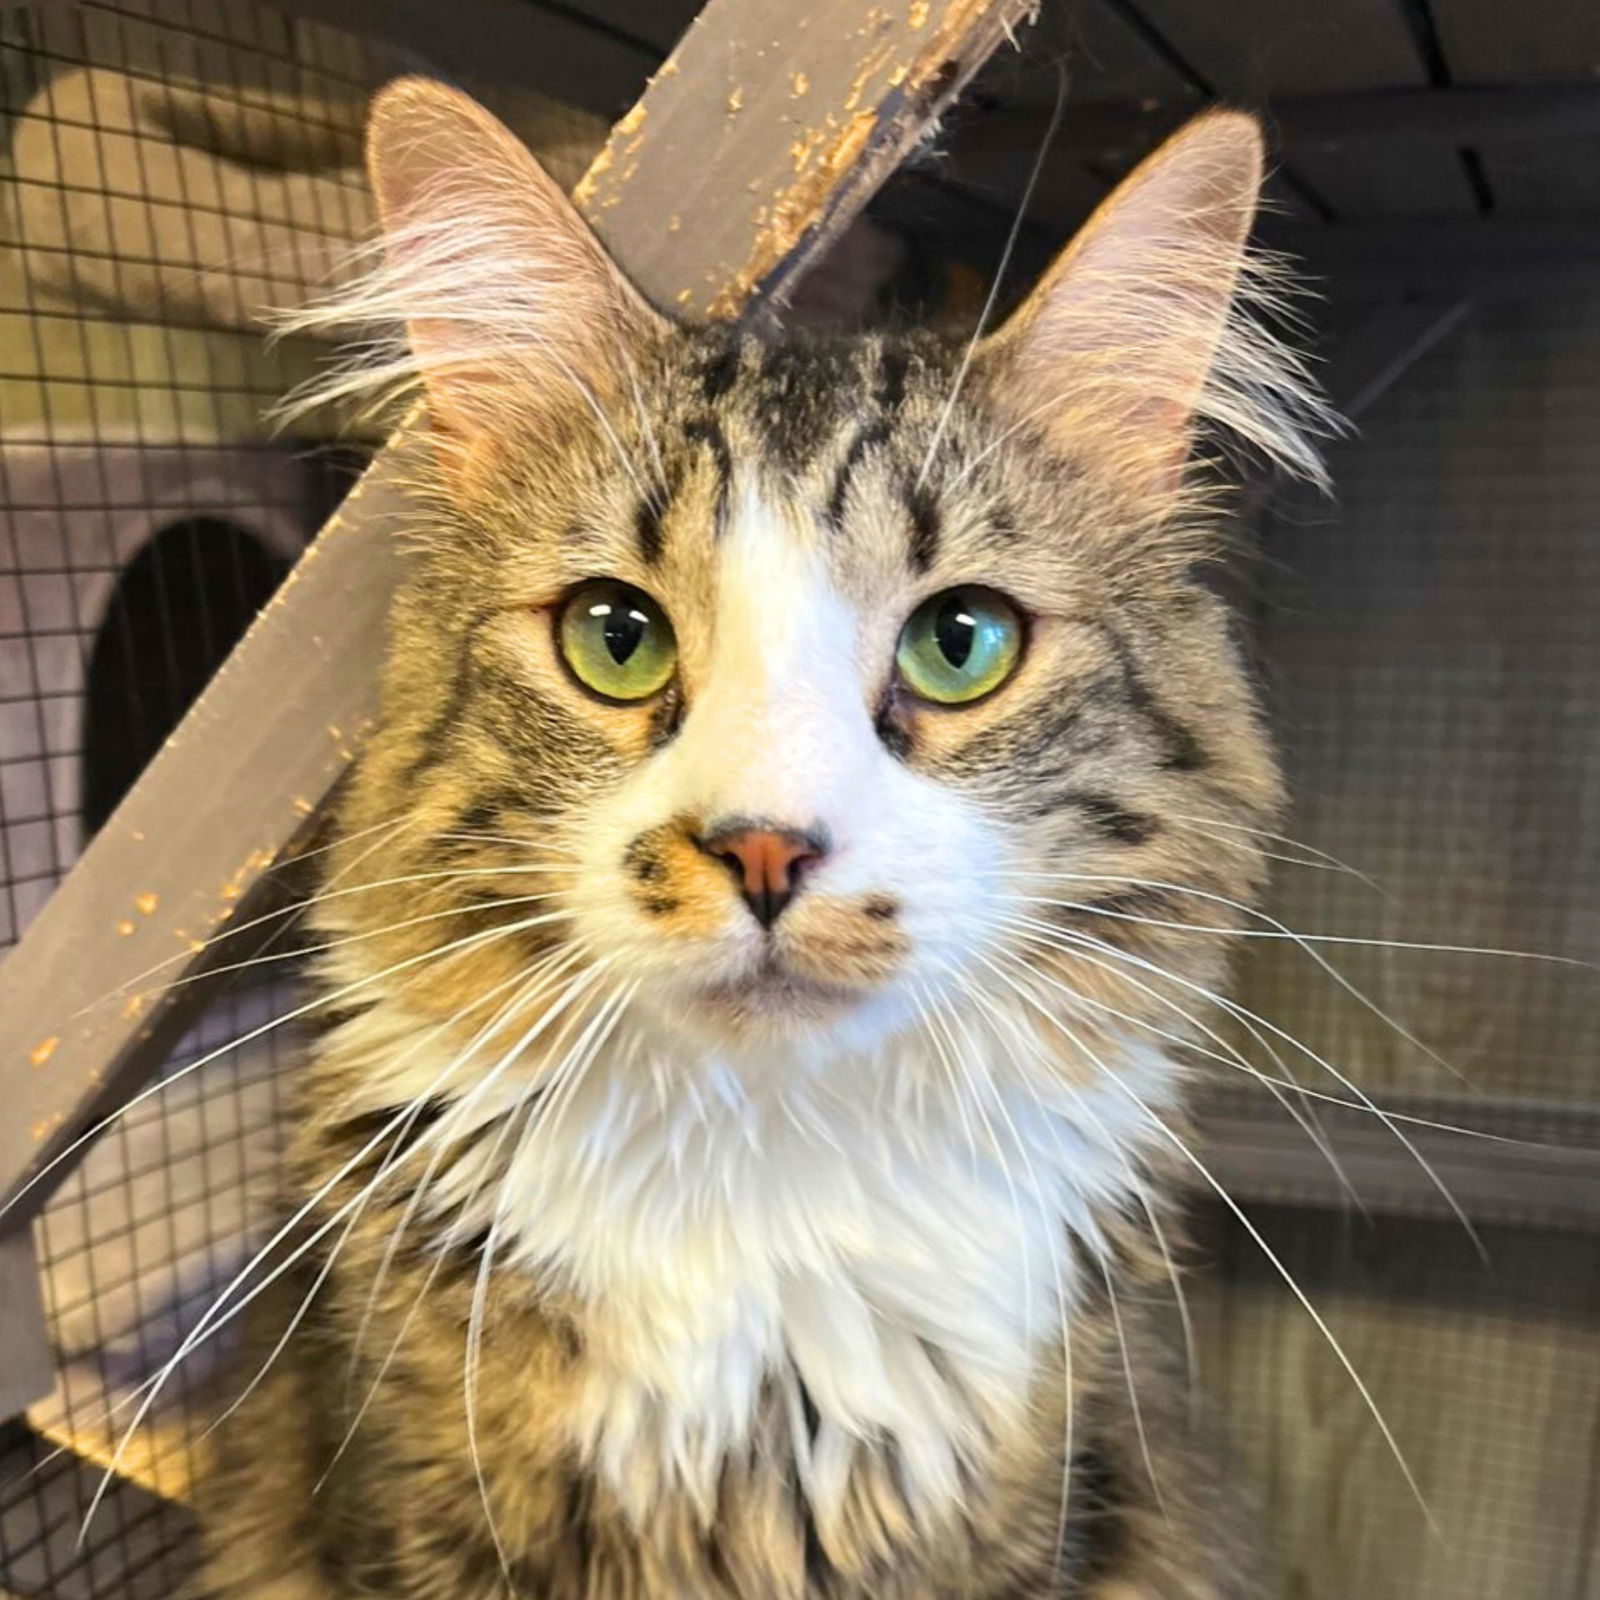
[[812, 795]]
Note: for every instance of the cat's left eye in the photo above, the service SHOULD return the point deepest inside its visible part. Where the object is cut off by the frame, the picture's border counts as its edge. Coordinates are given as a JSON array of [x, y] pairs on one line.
[[959, 646], [617, 640]]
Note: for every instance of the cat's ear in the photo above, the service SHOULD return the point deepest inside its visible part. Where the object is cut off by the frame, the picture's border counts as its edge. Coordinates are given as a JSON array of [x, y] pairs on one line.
[[508, 298], [1133, 334]]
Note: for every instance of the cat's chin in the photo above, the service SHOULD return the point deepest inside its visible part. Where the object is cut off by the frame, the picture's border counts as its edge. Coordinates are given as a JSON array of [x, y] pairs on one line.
[[769, 1014], [773, 997]]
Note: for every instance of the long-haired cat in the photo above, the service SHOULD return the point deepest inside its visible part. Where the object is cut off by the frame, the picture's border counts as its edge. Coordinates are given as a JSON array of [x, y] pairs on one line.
[[764, 929]]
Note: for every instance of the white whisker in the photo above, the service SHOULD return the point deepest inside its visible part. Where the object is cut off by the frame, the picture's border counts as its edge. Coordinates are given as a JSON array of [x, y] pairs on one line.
[[998, 279], [1039, 933], [1166, 1134], [322, 1001], [1242, 1012]]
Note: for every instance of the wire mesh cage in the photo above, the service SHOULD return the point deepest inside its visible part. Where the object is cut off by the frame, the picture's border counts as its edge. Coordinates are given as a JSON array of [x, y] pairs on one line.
[[169, 171], [1431, 653], [172, 172], [171, 168]]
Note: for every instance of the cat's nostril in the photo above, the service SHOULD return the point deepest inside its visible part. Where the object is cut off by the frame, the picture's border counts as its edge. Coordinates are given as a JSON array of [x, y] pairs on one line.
[[767, 863]]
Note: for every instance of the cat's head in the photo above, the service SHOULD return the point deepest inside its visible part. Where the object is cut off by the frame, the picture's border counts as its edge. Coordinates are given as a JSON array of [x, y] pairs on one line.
[[799, 693]]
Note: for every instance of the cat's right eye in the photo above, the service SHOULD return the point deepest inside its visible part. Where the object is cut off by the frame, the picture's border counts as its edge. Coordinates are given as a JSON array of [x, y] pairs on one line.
[[959, 646], [616, 641]]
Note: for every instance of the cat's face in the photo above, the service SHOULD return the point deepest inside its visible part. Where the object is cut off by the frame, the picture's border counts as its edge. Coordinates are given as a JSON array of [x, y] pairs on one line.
[[804, 694]]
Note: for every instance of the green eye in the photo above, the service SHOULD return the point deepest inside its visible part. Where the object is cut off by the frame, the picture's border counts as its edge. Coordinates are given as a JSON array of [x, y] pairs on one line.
[[959, 646], [617, 640]]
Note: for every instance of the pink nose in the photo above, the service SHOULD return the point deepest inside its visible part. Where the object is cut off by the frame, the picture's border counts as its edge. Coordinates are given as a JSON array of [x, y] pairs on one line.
[[766, 862]]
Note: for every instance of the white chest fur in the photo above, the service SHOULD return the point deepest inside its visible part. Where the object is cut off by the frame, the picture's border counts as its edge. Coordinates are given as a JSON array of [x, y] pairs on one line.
[[906, 1264]]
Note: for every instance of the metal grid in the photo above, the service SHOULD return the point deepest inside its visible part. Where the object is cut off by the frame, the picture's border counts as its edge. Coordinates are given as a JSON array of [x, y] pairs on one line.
[[1435, 672], [141, 245], [139, 1546], [1434, 669], [134, 1248], [1488, 1377], [169, 169]]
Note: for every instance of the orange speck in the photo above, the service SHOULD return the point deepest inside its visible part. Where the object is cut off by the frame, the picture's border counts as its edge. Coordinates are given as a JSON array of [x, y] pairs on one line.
[[42, 1051], [146, 903], [125, 928], [736, 101], [918, 15], [801, 83]]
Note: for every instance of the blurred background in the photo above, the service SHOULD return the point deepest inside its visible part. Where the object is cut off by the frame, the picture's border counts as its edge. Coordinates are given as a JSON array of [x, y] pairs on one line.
[[1427, 637]]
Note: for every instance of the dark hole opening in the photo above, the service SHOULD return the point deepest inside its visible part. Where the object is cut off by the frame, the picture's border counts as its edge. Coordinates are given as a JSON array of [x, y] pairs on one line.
[[179, 607]]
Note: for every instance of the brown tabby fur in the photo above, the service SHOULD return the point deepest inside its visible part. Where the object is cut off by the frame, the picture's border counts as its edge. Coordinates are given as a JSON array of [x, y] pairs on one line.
[[1129, 743], [400, 1515]]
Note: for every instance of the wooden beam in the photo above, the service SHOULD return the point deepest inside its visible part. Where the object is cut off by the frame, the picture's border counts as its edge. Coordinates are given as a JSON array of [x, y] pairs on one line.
[[1522, 1163], [770, 132], [762, 134]]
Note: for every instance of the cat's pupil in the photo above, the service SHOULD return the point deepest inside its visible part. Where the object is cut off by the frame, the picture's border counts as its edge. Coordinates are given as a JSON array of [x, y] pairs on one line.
[[622, 629], [955, 629]]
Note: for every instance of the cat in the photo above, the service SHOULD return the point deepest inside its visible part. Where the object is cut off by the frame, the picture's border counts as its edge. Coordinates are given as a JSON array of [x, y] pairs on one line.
[[812, 787]]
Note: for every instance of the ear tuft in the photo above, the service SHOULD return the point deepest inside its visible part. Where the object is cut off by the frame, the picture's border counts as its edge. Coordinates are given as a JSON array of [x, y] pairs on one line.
[[1143, 334], [507, 302]]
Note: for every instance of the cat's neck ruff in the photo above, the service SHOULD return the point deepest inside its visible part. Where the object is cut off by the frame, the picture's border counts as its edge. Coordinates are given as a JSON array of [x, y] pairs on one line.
[[888, 1245]]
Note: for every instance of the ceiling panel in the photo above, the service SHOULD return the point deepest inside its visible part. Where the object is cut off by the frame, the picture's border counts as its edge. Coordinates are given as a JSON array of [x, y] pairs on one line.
[[1067, 190], [1492, 41], [1544, 178], [1503, 41], [1366, 183], [1254, 48], [655, 22], [1100, 58], [1105, 58]]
